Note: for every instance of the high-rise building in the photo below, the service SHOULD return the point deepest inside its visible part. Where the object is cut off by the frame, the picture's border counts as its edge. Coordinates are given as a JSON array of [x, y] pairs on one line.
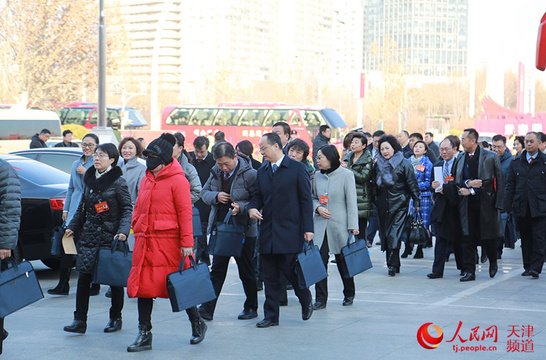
[[428, 37]]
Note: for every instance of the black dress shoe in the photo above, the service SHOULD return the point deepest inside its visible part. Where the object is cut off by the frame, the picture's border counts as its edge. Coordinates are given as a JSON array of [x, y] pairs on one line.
[[493, 270], [77, 326], [392, 271], [143, 341], [95, 290], [205, 314], [348, 301], [307, 311], [248, 314], [434, 275], [468, 277], [113, 325], [419, 253], [483, 258], [265, 323], [319, 305], [526, 273], [534, 274]]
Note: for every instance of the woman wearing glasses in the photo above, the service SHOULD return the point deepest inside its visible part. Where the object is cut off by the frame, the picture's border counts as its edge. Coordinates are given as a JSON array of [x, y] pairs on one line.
[[73, 198], [104, 214]]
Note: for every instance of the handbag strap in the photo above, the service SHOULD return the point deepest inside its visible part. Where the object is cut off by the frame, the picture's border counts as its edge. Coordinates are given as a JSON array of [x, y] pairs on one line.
[[11, 261], [228, 216], [122, 245], [307, 246], [192, 263], [351, 236]]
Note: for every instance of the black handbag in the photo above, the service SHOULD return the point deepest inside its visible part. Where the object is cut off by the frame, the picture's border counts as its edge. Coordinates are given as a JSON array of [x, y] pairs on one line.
[[57, 240], [196, 222], [227, 238], [19, 287], [309, 266], [190, 287], [418, 234], [113, 265], [355, 258]]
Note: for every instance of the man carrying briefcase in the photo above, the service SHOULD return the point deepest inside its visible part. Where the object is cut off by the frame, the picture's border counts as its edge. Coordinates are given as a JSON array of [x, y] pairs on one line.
[[10, 208]]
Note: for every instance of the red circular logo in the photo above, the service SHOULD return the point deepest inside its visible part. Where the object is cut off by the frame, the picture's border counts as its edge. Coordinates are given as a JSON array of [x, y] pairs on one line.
[[426, 340]]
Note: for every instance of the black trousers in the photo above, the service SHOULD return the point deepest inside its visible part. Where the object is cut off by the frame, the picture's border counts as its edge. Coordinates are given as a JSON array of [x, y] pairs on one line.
[[273, 266], [362, 225], [441, 251], [470, 243], [373, 226], [145, 306], [321, 287], [201, 248], [247, 274], [82, 298], [533, 241]]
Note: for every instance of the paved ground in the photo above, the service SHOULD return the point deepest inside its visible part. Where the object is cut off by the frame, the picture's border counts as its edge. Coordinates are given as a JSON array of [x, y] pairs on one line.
[[382, 323]]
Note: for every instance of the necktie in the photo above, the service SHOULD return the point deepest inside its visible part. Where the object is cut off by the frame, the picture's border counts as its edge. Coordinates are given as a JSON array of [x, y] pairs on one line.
[[226, 176], [275, 167], [445, 173], [531, 161]]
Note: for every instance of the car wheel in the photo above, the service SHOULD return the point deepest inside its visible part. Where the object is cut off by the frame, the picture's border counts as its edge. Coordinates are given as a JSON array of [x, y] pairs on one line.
[[18, 254], [52, 263]]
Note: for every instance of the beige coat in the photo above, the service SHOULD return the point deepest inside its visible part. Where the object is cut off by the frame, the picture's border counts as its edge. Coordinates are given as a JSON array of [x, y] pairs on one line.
[[341, 189]]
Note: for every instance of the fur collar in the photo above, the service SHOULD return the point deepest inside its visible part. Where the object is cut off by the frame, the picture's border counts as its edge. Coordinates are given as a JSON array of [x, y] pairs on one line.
[[104, 181]]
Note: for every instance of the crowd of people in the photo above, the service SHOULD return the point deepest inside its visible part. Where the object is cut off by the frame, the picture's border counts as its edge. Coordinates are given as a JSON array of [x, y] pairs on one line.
[[466, 195]]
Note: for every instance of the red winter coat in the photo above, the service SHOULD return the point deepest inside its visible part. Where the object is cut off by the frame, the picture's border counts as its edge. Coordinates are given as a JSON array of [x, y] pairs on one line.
[[162, 223]]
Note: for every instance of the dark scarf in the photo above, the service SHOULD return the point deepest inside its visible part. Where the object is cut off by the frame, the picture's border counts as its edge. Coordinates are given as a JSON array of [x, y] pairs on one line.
[[334, 167], [387, 169]]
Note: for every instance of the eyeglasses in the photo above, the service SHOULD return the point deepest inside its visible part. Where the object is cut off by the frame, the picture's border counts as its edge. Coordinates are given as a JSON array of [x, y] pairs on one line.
[[88, 145], [101, 155]]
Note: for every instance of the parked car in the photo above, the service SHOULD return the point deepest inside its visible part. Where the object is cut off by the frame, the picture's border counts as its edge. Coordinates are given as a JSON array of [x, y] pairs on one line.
[[59, 158], [43, 192]]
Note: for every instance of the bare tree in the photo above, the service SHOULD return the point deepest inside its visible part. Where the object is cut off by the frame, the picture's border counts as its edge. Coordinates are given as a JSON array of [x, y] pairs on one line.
[[48, 48]]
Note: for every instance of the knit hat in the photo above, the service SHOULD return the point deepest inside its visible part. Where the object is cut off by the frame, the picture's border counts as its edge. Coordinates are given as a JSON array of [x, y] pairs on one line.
[[160, 148]]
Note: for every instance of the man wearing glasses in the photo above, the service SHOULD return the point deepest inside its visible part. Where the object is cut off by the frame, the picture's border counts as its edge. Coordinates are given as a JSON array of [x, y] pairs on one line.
[[283, 195]]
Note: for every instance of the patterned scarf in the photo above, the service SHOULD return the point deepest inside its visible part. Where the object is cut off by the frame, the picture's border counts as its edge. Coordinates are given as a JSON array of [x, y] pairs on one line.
[[387, 169]]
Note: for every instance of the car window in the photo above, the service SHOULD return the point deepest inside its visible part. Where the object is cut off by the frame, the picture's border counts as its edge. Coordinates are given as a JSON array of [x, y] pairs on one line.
[[59, 161], [39, 173], [27, 155]]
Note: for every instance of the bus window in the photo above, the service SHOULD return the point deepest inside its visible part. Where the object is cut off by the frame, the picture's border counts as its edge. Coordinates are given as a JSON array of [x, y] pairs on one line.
[[295, 119], [77, 116], [180, 117], [204, 116], [312, 120], [277, 115], [114, 120], [227, 117], [252, 117]]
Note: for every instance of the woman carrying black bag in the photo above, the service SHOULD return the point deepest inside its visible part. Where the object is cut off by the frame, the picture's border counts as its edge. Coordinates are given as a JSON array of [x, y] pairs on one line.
[[336, 215], [393, 183], [104, 213]]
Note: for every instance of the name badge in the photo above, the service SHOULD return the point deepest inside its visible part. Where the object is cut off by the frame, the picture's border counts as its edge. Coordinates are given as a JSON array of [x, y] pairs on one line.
[[323, 199], [101, 207], [449, 178], [420, 168]]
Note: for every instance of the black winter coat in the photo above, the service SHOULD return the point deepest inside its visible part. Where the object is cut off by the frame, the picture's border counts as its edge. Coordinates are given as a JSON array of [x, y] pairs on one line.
[[393, 204], [526, 186], [36, 142], [98, 229], [491, 193]]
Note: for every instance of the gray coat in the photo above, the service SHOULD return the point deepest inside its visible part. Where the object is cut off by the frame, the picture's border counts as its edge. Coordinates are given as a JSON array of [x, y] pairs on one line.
[[133, 172], [242, 187], [10, 206], [75, 188], [193, 178], [341, 189]]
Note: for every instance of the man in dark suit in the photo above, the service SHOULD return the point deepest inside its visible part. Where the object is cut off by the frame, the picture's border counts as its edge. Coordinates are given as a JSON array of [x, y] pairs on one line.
[[480, 185], [429, 139], [202, 161], [445, 216], [526, 198], [403, 140], [283, 193]]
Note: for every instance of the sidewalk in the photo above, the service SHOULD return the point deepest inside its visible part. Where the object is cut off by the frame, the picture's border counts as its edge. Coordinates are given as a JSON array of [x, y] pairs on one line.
[[382, 323]]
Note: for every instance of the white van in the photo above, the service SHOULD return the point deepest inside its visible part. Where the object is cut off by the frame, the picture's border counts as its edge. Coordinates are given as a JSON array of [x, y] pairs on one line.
[[18, 126]]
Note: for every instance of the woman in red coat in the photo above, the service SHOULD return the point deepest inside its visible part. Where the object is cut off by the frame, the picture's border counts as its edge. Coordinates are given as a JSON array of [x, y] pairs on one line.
[[162, 223]]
